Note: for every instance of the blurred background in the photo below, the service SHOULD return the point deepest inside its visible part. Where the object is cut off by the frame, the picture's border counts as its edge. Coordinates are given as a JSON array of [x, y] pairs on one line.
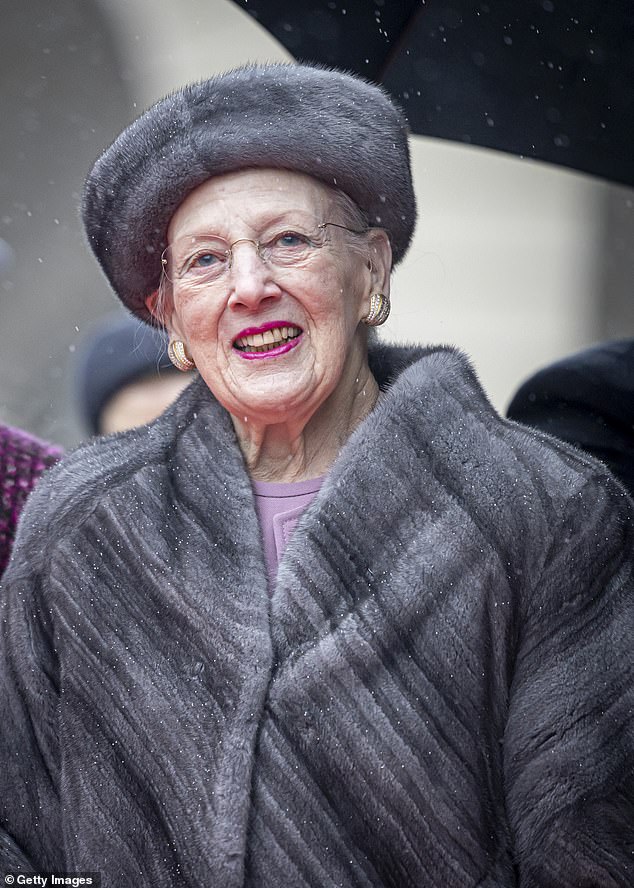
[[516, 261]]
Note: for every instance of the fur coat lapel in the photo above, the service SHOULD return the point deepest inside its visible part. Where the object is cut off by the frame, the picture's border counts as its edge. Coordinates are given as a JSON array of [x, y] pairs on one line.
[[429, 431]]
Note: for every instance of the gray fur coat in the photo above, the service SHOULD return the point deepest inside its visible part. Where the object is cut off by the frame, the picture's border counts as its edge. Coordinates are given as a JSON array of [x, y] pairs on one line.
[[439, 693]]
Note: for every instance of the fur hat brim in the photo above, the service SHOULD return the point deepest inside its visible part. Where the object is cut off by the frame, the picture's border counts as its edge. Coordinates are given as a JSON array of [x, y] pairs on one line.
[[331, 125]]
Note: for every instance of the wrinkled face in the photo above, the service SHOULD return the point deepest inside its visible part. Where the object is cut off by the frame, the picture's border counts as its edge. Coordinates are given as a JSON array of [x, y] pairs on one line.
[[273, 331]]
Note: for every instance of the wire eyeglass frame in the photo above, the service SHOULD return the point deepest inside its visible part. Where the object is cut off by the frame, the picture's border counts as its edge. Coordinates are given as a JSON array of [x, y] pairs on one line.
[[265, 251]]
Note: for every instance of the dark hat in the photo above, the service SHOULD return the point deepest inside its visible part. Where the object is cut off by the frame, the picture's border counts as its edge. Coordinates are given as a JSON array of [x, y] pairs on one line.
[[586, 399], [114, 352], [331, 125]]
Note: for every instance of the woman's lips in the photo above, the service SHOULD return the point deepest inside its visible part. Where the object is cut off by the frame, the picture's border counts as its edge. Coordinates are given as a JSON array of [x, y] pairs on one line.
[[267, 341]]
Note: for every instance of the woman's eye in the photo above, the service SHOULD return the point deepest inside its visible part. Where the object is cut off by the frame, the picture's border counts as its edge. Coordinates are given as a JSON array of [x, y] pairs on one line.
[[291, 239], [204, 260]]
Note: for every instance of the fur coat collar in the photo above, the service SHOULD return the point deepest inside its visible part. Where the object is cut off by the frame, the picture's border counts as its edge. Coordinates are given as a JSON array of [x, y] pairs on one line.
[[438, 692]]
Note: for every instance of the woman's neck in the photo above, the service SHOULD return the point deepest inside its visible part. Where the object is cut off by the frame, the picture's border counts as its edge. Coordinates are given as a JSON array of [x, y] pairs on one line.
[[299, 450]]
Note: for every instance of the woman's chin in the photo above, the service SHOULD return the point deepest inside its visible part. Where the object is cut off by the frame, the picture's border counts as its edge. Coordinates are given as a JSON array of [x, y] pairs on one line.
[[269, 410], [278, 400]]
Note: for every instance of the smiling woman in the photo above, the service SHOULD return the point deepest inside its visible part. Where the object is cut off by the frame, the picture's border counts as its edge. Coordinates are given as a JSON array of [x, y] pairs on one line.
[[270, 312], [329, 620]]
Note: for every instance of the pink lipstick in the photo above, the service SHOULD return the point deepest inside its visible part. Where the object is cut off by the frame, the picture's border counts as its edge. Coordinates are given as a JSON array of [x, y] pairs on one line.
[[268, 340]]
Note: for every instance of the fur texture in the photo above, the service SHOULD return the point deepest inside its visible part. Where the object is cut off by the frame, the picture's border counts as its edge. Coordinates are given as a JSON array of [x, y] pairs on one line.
[[438, 693], [334, 126]]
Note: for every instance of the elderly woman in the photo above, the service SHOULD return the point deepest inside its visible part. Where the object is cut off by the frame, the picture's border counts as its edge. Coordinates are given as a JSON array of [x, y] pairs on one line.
[[329, 621]]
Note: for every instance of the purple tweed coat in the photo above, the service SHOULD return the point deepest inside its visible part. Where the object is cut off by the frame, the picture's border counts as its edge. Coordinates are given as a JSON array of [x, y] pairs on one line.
[[438, 694], [23, 458]]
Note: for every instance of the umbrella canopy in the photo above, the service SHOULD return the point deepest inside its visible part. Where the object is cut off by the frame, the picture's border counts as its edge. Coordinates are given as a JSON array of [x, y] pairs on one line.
[[548, 79]]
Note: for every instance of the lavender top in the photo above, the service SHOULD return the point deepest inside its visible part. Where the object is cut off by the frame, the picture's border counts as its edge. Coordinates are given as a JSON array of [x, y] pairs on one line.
[[23, 458], [279, 507]]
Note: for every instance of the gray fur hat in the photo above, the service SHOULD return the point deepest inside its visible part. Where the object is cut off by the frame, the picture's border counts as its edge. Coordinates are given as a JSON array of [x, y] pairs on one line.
[[334, 126]]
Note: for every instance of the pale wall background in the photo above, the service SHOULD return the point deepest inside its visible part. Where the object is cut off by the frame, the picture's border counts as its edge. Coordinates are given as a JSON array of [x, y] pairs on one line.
[[516, 262]]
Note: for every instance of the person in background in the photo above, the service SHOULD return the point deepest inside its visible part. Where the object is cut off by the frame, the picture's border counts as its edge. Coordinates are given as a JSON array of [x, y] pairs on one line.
[[586, 399], [122, 376], [122, 379], [329, 620], [23, 458]]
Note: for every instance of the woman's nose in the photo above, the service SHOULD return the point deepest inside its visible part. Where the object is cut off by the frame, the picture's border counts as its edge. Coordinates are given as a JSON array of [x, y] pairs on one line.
[[250, 277]]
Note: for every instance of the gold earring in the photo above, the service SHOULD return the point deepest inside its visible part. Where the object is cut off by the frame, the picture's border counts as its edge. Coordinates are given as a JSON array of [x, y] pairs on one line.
[[178, 356], [379, 310]]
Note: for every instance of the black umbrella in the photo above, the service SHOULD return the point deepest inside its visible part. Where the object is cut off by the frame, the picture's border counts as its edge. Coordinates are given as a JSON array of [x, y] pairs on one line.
[[549, 79]]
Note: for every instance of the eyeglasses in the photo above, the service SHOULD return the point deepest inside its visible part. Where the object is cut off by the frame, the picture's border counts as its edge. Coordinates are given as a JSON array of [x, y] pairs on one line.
[[206, 258]]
